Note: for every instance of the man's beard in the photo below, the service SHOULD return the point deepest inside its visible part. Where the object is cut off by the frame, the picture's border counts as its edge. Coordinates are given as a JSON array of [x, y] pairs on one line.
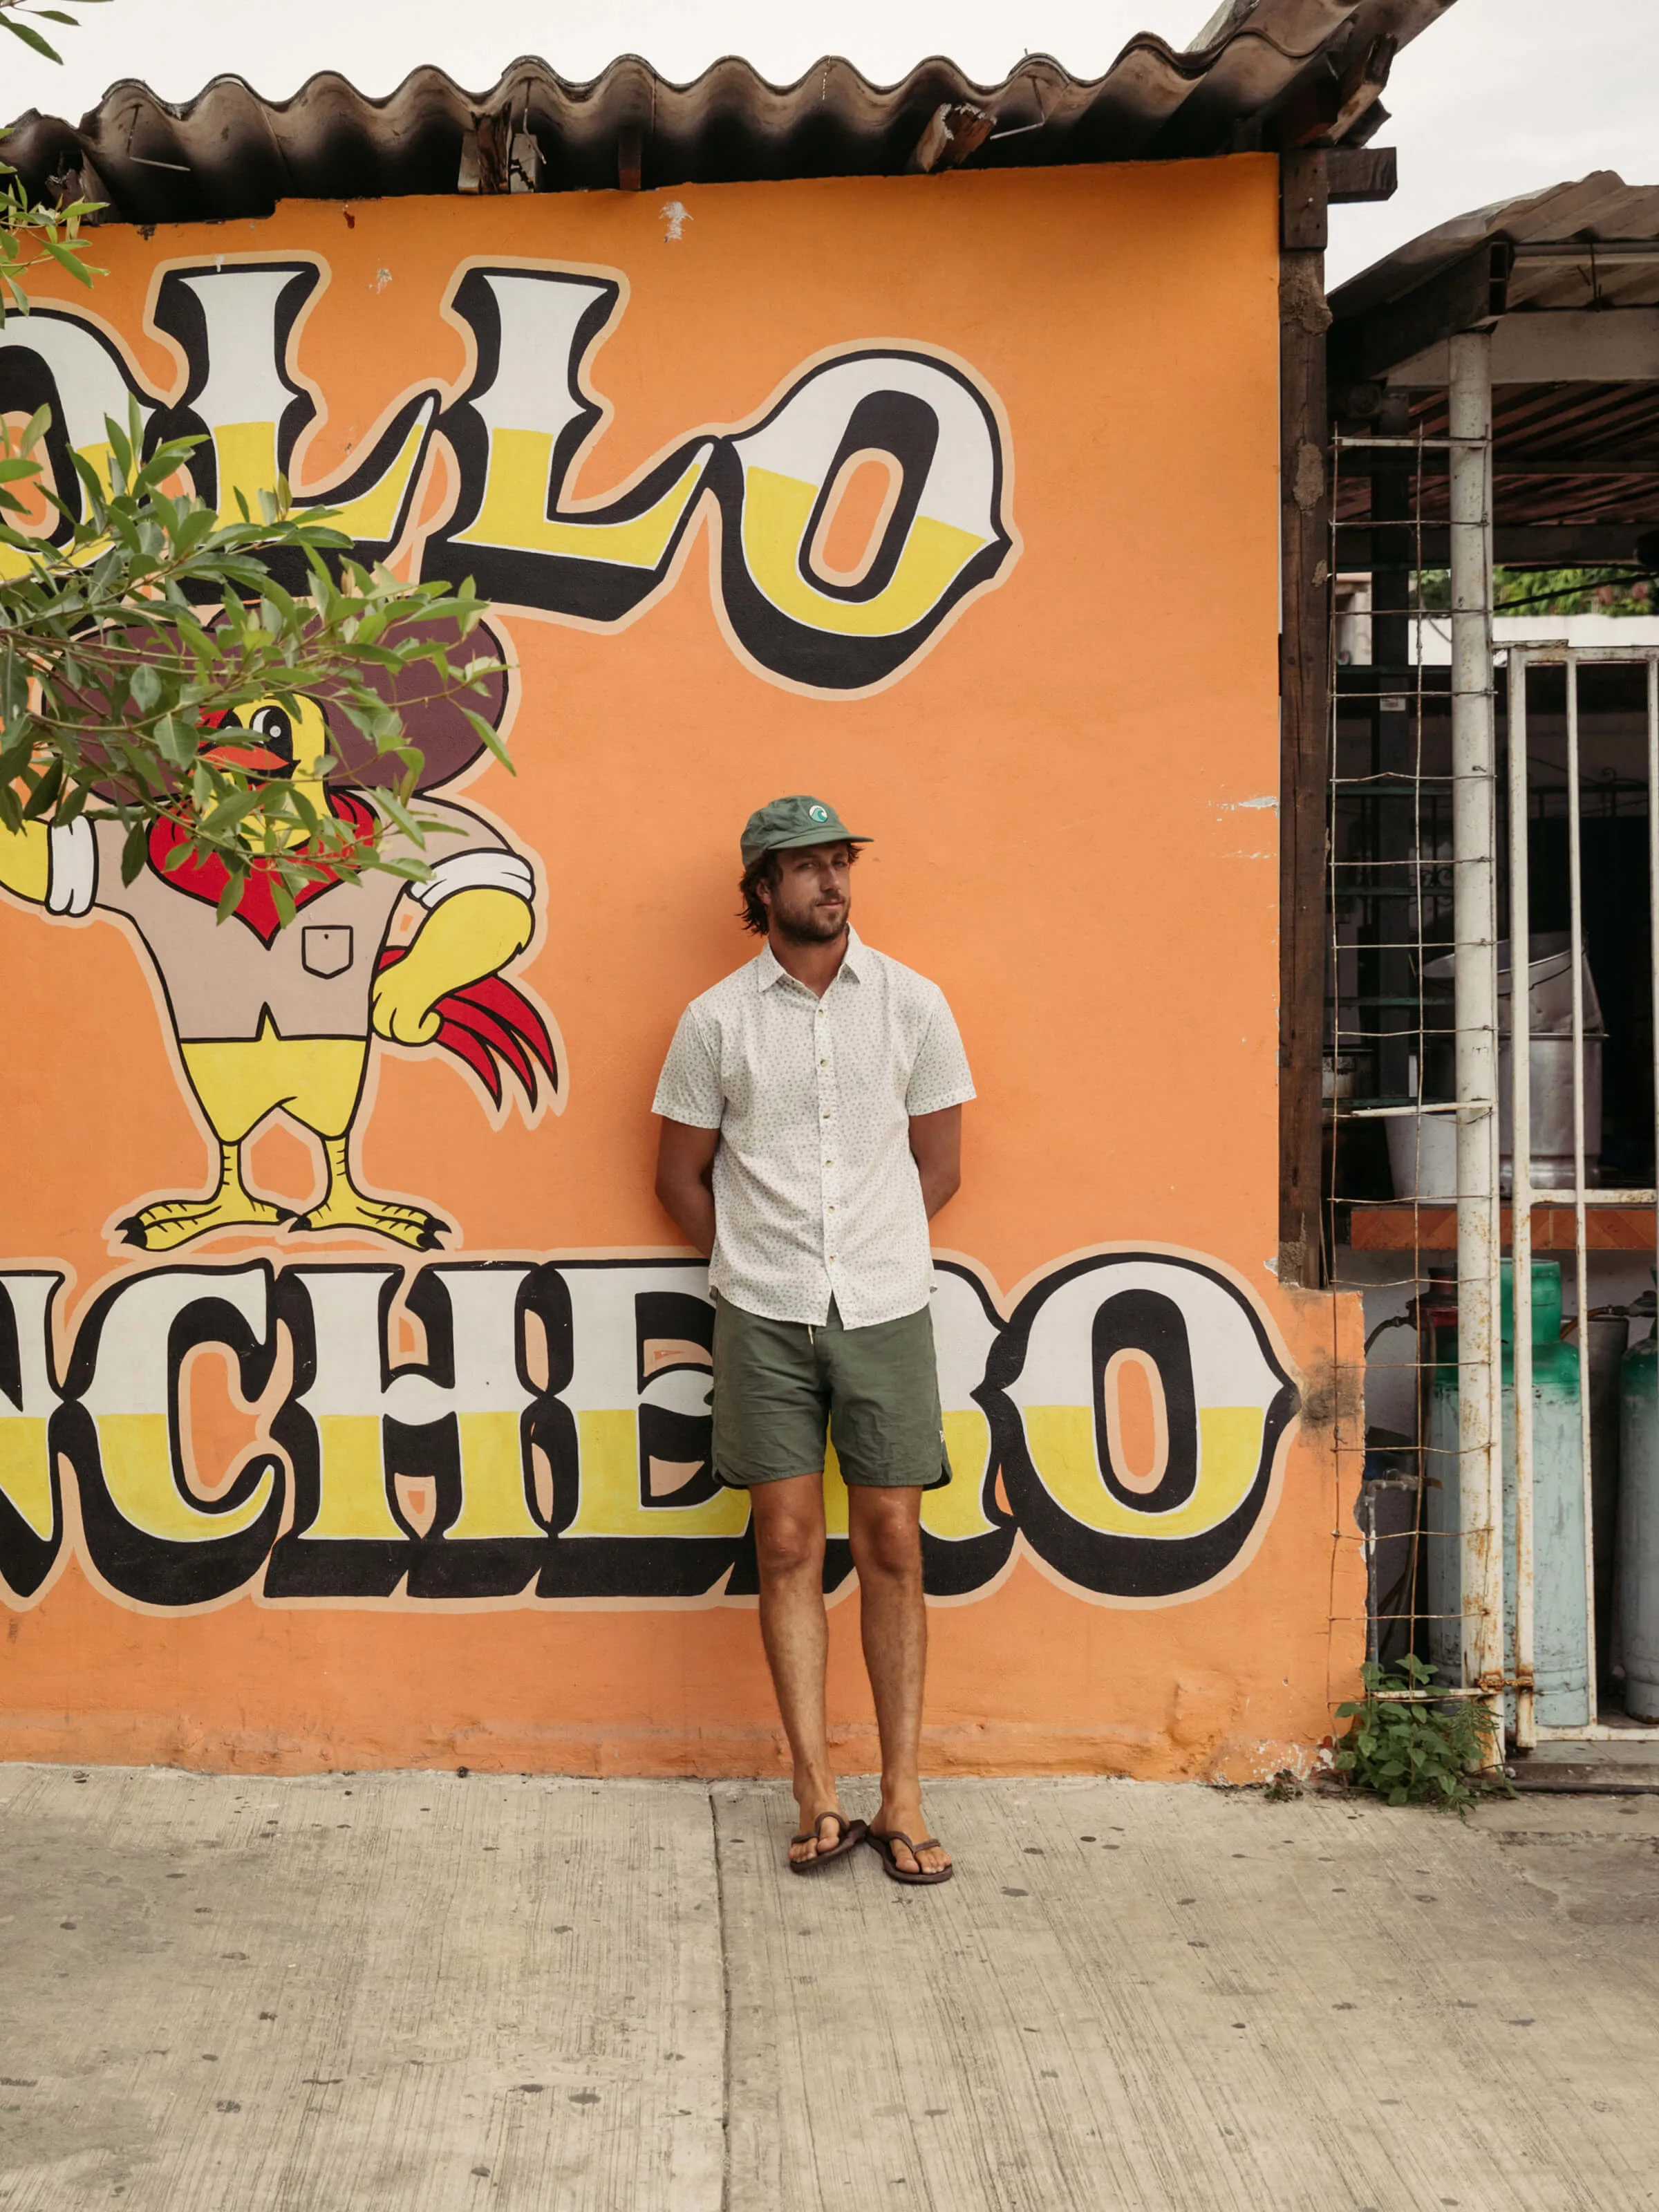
[[812, 926]]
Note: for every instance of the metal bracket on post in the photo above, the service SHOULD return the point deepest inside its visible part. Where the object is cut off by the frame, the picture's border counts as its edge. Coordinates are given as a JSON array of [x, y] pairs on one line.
[[1480, 1447]]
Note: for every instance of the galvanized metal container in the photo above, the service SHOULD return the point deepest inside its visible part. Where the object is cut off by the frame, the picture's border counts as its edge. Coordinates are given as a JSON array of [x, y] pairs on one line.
[[1423, 1157], [1609, 1338], [1639, 1528], [1561, 1664], [1388, 1512]]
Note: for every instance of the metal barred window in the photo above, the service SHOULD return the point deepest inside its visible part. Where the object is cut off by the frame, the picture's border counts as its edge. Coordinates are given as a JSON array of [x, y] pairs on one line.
[[1492, 1004]]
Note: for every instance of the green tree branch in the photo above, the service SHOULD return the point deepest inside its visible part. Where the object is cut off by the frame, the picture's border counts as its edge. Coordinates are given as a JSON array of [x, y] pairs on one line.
[[134, 619]]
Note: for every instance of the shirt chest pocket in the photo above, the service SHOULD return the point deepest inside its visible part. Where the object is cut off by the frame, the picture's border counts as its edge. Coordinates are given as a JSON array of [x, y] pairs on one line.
[[325, 949]]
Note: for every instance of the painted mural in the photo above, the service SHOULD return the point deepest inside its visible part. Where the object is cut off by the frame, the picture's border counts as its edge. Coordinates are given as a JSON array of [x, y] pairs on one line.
[[346, 1293], [515, 436], [558, 1436], [270, 1022]]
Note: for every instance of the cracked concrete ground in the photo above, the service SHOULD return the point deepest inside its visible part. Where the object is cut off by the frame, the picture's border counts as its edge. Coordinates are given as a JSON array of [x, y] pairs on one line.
[[419, 1991]]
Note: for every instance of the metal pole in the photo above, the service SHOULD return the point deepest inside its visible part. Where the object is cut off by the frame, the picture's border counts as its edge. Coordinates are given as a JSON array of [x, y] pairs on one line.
[[1581, 1263], [1526, 1719], [1653, 906], [1481, 1514]]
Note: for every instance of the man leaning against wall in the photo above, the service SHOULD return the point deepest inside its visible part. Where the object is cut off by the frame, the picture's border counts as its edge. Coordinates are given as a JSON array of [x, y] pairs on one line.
[[811, 1125]]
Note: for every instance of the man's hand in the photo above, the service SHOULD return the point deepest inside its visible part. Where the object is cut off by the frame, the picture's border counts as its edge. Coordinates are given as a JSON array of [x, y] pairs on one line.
[[685, 1158], [936, 1148]]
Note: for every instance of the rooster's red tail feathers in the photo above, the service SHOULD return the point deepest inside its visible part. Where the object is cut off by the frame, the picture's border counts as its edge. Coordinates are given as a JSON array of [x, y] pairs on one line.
[[488, 1025]]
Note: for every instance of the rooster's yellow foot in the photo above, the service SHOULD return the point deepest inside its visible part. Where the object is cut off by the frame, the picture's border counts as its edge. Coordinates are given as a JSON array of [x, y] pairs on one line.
[[345, 1208], [175, 1221]]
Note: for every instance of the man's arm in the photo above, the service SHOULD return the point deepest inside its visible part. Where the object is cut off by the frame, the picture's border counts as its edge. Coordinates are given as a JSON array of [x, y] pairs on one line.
[[936, 1147], [685, 1158]]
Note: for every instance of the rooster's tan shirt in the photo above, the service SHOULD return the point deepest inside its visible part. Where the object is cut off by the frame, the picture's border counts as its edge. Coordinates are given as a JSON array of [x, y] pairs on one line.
[[312, 978]]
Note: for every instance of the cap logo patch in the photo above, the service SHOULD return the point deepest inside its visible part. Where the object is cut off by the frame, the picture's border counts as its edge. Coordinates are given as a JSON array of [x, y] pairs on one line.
[[818, 813]]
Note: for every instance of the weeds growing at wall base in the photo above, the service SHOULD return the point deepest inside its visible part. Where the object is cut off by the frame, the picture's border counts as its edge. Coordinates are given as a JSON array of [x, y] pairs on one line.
[[1414, 1748]]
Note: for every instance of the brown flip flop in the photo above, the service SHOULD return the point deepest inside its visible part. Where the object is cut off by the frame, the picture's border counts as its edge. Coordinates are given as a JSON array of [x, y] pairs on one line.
[[853, 1833], [921, 1878]]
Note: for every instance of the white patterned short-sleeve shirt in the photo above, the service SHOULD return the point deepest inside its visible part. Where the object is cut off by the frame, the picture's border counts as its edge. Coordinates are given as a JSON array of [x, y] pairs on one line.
[[816, 1194]]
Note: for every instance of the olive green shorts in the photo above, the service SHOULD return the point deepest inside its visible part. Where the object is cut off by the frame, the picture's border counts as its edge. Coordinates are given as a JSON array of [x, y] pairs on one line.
[[780, 1387]]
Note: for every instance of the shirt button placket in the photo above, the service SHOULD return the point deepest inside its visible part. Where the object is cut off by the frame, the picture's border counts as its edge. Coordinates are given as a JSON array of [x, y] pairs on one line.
[[829, 1175]]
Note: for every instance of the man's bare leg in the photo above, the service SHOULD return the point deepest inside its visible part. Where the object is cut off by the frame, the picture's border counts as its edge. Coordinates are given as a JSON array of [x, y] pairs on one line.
[[885, 1527], [795, 1630]]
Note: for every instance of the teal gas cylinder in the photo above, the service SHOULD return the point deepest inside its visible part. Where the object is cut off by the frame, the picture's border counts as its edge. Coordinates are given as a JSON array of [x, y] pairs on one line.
[[1639, 1527], [1561, 1643]]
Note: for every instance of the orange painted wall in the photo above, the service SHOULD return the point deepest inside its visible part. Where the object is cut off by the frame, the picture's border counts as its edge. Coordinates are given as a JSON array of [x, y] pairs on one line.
[[1066, 792]]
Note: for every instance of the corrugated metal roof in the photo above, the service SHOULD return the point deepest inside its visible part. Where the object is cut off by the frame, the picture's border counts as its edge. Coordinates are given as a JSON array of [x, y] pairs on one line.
[[1564, 452], [1269, 72], [1601, 209]]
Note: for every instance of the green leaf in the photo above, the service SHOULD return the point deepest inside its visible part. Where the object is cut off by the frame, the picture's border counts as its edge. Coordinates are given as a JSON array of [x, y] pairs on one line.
[[231, 897], [401, 816], [491, 738], [67, 258], [30, 38], [230, 813], [40, 801], [177, 744]]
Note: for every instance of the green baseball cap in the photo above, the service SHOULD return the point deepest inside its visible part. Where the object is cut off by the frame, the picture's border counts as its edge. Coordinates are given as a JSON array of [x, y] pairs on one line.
[[786, 824]]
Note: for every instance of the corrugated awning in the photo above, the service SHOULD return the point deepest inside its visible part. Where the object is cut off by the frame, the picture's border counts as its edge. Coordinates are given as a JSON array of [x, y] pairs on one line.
[[1567, 280], [1577, 245], [1274, 73]]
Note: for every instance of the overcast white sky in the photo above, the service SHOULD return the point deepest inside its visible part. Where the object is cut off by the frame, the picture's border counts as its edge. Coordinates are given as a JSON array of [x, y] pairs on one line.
[[1501, 97]]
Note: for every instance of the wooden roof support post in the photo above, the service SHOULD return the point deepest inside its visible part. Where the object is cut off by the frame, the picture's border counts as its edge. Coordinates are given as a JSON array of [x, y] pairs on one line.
[[1304, 686]]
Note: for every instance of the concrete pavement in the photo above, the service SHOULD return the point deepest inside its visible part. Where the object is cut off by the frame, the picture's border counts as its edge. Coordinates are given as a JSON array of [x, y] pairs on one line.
[[434, 1994]]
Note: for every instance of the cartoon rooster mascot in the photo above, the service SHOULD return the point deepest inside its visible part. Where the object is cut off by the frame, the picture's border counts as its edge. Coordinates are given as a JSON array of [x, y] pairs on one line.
[[271, 1020]]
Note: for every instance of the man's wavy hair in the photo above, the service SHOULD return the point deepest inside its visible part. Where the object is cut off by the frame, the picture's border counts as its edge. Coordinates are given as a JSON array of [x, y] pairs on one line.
[[754, 915]]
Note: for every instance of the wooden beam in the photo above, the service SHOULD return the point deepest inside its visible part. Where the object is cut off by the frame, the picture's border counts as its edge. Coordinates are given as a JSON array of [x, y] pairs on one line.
[[1362, 173], [1516, 544], [1303, 712], [1429, 1227], [954, 132], [1343, 85], [1466, 296], [1556, 345], [1634, 460], [486, 155], [1304, 195], [630, 157]]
